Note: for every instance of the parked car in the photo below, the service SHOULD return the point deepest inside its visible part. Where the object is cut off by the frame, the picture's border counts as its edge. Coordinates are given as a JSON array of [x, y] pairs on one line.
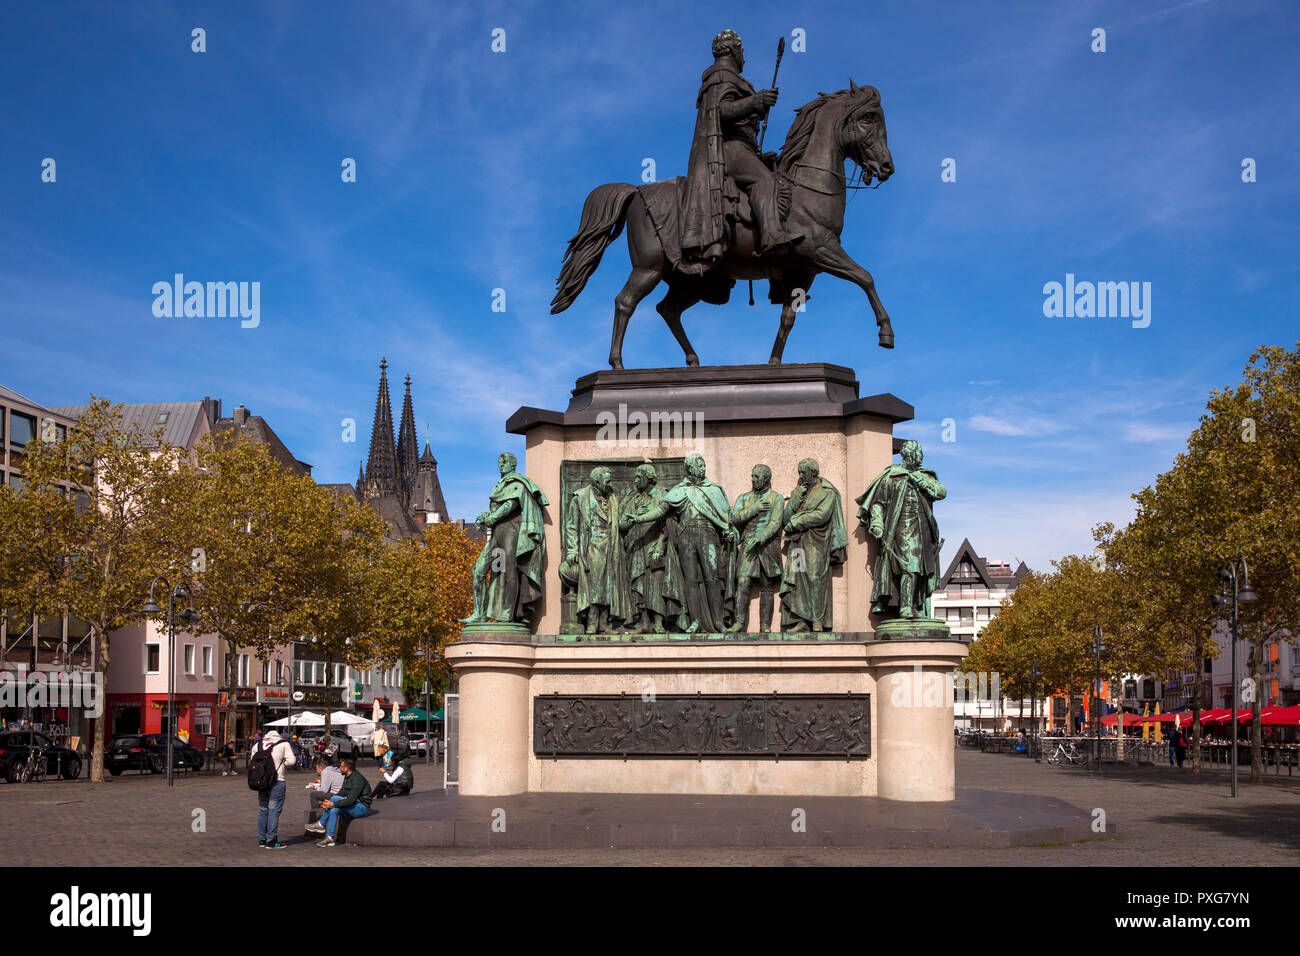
[[149, 752], [347, 747], [16, 744], [419, 745]]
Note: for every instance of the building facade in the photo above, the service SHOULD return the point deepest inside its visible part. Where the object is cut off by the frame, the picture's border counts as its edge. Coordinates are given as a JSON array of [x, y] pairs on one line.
[[969, 596], [34, 648]]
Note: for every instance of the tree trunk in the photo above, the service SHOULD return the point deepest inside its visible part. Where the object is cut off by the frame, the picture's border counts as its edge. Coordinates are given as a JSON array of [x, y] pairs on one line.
[[329, 673], [98, 743], [1197, 686], [232, 664]]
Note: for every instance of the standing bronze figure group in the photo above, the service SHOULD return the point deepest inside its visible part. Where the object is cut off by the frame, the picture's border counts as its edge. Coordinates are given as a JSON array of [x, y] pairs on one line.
[[739, 213], [685, 560]]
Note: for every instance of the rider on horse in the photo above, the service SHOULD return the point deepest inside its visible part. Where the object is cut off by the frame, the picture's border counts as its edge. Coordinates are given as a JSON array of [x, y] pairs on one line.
[[726, 144]]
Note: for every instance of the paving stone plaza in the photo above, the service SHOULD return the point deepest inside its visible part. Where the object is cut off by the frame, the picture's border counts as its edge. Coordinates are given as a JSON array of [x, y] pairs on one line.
[[1162, 817]]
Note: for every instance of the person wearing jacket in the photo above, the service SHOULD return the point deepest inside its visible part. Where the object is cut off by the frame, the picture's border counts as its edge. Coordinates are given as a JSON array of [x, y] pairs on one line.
[[354, 800], [271, 802], [228, 755], [329, 781], [398, 779]]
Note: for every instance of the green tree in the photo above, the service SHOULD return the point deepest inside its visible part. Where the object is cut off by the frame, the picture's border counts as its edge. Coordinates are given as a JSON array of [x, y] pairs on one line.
[[236, 509], [96, 559], [326, 558]]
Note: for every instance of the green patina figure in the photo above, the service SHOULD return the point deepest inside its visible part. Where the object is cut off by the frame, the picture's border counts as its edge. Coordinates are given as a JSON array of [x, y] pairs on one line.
[[703, 523], [898, 511], [815, 540], [508, 573], [593, 553], [757, 517], [653, 573]]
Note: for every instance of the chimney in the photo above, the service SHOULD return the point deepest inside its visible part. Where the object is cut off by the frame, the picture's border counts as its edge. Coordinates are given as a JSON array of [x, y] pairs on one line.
[[211, 409], [240, 416]]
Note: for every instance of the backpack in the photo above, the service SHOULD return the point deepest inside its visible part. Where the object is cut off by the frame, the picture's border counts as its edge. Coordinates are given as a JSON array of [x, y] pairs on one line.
[[261, 768], [407, 777]]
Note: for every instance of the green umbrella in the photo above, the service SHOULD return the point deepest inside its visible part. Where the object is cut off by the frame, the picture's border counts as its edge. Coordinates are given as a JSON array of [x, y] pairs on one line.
[[415, 713]]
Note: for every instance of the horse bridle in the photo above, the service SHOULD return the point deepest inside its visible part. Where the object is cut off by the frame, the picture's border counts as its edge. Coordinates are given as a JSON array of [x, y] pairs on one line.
[[843, 183]]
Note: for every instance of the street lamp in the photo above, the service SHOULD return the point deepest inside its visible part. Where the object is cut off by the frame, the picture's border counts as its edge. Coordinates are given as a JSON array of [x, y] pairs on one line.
[[1098, 648], [189, 616], [1034, 674], [1232, 592], [428, 654]]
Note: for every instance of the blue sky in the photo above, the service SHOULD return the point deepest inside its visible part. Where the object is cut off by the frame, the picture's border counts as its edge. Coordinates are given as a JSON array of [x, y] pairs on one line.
[[225, 166]]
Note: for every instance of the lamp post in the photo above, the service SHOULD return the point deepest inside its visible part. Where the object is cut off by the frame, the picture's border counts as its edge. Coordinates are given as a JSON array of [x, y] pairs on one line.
[[1098, 648], [293, 677], [1232, 592], [189, 616], [425, 650], [1034, 674]]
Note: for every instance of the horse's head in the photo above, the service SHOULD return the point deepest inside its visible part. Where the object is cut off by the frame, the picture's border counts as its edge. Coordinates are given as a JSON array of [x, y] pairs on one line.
[[862, 132]]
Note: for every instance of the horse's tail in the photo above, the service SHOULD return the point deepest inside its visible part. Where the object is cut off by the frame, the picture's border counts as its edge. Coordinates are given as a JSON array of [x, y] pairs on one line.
[[603, 216]]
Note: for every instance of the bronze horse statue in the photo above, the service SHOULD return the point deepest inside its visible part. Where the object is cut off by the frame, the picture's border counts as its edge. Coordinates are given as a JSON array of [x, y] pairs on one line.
[[848, 124]]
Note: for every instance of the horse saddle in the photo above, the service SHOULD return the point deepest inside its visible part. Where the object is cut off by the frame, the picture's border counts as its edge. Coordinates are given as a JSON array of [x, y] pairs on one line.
[[737, 208]]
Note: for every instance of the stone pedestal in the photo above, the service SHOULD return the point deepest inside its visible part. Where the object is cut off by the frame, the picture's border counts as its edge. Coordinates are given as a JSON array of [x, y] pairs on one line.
[[507, 684], [914, 717], [833, 714]]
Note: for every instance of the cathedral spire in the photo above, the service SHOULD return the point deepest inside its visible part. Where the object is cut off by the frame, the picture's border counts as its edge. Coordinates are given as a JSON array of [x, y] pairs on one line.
[[407, 459], [381, 467]]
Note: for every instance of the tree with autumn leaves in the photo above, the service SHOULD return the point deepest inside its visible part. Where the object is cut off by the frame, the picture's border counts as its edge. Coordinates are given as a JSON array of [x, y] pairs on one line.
[[93, 556], [1232, 494], [269, 556], [420, 591]]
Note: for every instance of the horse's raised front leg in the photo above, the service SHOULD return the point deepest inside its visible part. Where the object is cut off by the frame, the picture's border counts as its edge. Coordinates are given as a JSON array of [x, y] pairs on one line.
[[677, 301], [831, 258], [639, 285]]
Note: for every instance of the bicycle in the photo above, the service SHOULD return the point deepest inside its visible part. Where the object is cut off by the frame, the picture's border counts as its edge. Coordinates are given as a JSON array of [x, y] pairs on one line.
[[1069, 753], [35, 767]]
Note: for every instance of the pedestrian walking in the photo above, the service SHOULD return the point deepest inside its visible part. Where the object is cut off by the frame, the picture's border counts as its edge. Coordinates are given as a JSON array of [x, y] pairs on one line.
[[1173, 748], [266, 765], [353, 799], [1180, 747]]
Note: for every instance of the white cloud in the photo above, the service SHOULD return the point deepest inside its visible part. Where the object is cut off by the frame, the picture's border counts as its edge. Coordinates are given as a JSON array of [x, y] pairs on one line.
[[1001, 426]]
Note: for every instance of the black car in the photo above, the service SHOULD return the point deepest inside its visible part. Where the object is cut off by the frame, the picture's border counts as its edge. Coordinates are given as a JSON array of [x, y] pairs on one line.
[[16, 744], [149, 752]]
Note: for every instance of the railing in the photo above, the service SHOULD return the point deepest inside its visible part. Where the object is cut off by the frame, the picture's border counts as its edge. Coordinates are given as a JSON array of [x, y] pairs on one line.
[[1276, 757]]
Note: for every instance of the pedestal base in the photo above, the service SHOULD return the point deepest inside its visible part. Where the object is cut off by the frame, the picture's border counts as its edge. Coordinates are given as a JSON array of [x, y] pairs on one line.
[[913, 629], [777, 715]]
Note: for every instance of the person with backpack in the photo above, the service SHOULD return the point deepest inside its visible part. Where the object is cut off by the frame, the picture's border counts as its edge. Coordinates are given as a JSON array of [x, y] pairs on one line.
[[266, 765], [354, 800]]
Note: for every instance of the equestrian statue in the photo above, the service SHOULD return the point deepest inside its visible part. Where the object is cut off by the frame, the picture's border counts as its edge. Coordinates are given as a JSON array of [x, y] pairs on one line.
[[739, 213]]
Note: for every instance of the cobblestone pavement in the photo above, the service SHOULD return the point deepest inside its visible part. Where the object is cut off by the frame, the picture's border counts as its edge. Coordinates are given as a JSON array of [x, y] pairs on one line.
[[1163, 816]]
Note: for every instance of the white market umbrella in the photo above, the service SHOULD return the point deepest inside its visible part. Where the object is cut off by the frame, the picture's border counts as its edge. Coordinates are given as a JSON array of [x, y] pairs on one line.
[[344, 719], [376, 712], [304, 719]]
